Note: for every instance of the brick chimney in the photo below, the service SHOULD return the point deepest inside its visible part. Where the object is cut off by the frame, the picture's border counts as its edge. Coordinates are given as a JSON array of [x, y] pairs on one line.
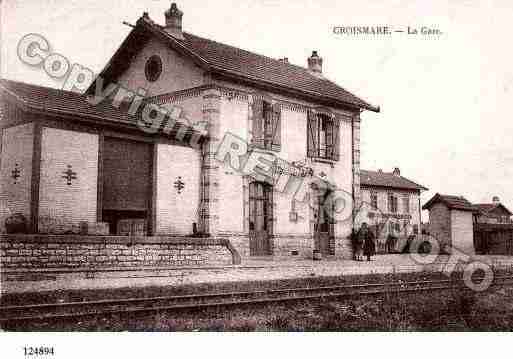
[[174, 22], [496, 200], [315, 63], [396, 172]]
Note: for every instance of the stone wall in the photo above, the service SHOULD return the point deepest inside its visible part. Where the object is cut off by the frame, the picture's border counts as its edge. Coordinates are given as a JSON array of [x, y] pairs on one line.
[[91, 252], [286, 246]]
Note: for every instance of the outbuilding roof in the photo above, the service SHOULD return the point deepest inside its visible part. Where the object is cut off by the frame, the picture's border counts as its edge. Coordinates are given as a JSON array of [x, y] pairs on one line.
[[57, 101], [488, 207], [72, 105], [452, 202]]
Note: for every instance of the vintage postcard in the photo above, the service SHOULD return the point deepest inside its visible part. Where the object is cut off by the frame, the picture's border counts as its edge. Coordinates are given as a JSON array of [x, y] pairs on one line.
[[254, 166]]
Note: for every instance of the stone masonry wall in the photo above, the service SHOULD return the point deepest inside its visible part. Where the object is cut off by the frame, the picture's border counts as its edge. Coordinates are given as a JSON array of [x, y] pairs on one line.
[[282, 246], [36, 251]]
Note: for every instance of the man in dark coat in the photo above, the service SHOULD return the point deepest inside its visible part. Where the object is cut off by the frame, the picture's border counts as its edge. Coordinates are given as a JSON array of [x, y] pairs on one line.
[[367, 237], [358, 242]]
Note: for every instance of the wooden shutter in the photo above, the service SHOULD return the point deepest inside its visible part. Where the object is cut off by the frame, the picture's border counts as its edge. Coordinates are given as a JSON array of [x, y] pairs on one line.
[[329, 136], [336, 139], [276, 123], [258, 122], [312, 128]]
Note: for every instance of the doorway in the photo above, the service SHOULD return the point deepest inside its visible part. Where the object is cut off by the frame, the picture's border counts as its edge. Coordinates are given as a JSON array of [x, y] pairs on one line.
[[324, 226], [260, 218], [127, 182]]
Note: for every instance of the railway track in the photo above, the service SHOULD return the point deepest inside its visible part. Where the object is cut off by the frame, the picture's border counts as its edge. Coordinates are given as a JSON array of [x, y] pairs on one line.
[[48, 311]]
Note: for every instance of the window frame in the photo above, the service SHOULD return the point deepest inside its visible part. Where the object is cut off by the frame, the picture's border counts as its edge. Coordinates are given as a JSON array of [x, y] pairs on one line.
[[322, 132], [153, 68], [324, 127], [269, 138], [323, 136], [392, 202], [374, 200], [267, 125], [406, 204]]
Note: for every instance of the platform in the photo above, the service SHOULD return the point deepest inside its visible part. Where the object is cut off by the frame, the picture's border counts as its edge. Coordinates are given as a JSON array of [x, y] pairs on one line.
[[256, 269]]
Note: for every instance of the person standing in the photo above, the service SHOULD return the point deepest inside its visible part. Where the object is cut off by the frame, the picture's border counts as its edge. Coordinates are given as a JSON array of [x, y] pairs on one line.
[[369, 247], [360, 241]]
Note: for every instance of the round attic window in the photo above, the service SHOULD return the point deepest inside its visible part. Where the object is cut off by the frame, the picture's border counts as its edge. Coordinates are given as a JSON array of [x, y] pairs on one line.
[[153, 68]]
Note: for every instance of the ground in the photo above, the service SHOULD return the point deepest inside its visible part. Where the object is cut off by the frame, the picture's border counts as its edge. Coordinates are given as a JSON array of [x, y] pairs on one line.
[[249, 270], [454, 309], [450, 310]]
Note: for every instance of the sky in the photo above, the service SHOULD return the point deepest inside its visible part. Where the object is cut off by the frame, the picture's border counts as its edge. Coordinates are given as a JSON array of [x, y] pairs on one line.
[[445, 117]]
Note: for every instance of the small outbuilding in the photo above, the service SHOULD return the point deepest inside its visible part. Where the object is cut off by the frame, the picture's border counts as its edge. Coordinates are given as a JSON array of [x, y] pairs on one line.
[[451, 222], [494, 213]]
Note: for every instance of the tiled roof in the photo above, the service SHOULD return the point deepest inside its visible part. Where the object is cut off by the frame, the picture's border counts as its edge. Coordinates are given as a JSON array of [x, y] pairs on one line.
[[488, 207], [485, 207], [387, 179], [452, 202], [267, 69], [230, 61], [63, 102]]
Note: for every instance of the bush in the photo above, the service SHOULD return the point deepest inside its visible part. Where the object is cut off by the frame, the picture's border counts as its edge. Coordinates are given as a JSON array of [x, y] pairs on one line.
[[16, 223]]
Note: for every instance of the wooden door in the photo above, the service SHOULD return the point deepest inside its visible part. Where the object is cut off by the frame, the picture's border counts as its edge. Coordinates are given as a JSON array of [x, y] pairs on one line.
[[127, 180], [260, 218], [324, 226]]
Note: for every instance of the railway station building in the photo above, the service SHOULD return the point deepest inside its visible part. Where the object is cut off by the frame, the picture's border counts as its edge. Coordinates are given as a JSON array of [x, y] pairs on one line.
[[391, 206], [138, 170]]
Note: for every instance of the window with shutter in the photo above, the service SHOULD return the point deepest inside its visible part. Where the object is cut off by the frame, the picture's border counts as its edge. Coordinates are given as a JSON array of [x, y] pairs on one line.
[[406, 204], [374, 200], [392, 203], [323, 136], [266, 125]]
